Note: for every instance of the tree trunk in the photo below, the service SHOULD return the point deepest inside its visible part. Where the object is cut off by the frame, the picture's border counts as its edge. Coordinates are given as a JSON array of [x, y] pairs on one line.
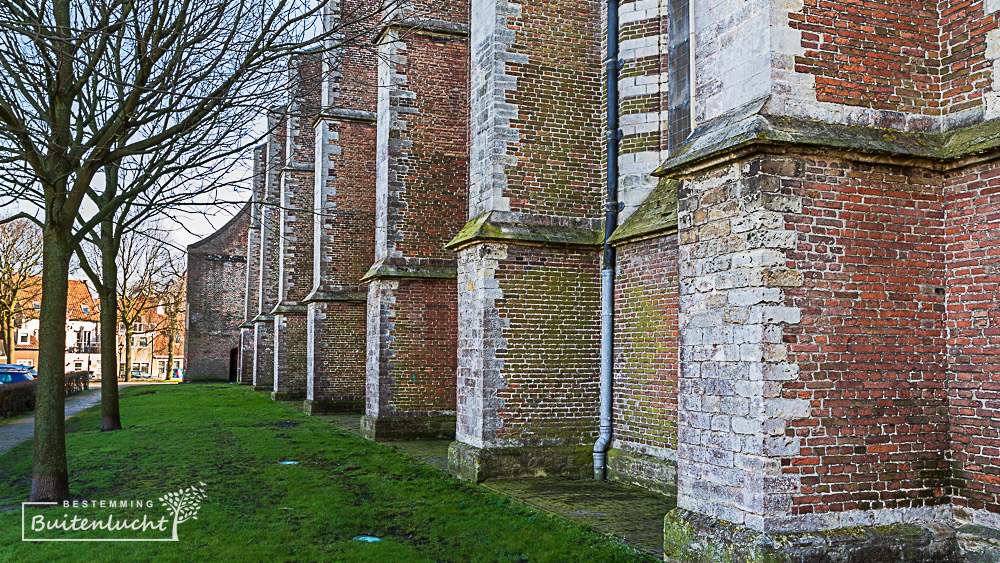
[[50, 482], [110, 413], [128, 350], [170, 349], [7, 336]]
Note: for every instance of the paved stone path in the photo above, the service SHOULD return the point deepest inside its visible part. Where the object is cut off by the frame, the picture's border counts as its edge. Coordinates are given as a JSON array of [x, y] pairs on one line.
[[22, 429]]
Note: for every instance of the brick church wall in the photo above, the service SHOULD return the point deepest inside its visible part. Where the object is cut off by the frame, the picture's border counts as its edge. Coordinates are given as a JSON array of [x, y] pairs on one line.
[[216, 304], [644, 435], [267, 294], [296, 221], [870, 347], [343, 246], [251, 299], [529, 280], [344, 224], [972, 209], [422, 169]]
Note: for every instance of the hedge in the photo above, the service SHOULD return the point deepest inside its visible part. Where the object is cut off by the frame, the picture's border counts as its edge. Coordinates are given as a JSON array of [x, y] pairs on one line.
[[19, 398]]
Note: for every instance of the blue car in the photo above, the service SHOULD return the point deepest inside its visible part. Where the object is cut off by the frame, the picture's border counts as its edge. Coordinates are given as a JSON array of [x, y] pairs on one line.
[[9, 377], [18, 367]]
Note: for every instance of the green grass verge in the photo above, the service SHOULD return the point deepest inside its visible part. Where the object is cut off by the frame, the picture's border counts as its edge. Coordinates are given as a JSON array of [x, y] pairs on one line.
[[257, 510]]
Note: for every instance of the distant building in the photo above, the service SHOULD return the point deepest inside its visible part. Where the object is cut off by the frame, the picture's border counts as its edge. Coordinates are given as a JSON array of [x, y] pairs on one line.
[[217, 273], [83, 336]]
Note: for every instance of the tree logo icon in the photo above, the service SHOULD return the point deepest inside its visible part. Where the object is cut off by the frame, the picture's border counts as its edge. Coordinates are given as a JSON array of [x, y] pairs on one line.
[[184, 504]]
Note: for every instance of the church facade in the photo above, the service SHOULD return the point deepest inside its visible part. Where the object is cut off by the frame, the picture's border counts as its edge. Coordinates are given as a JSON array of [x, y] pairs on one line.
[[791, 324]]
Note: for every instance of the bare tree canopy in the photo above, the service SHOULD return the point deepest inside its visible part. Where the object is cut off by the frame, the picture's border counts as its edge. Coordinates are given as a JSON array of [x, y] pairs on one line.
[[20, 268], [94, 84]]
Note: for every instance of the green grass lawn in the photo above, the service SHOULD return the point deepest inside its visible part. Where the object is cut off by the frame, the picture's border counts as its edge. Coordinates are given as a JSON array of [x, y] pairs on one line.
[[257, 510]]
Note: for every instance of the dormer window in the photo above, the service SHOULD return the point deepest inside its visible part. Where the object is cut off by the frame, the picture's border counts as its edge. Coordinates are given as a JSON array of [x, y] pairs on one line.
[[85, 309], [24, 338], [36, 306]]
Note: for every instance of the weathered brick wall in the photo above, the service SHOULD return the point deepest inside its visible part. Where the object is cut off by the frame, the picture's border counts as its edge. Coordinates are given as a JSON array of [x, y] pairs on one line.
[[896, 42], [420, 342], [296, 221], [344, 223], [216, 304], [972, 202], [969, 39], [252, 300], [643, 92], [424, 143], [528, 266], [267, 294], [916, 66], [551, 338], [731, 418], [536, 109], [813, 356], [343, 245], [646, 347], [422, 167], [870, 347]]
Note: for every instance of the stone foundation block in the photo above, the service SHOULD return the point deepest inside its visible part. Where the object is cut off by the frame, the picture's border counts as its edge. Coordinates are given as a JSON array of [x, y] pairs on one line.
[[312, 407], [978, 544], [399, 428], [646, 471], [264, 388], [479, 464], [288, 395], [691, 537]]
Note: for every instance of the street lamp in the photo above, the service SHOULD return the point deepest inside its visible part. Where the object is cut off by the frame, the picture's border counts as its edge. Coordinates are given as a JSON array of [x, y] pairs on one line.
[[121, 348]]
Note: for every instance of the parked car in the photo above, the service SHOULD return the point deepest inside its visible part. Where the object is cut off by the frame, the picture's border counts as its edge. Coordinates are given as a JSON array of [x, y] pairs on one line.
[[19, 368], [136, 374], [16, 376]]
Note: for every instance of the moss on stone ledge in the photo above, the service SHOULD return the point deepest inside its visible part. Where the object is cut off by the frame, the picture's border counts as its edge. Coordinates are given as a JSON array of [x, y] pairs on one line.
[[658, 213], [746, 127], [504, 227]]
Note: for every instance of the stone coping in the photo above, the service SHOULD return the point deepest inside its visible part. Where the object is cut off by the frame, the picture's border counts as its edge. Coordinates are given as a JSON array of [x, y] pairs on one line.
[[504, 226], [412, 268], [338, 294], [426, 25], [747, 130], [656, 215], [289, 309]]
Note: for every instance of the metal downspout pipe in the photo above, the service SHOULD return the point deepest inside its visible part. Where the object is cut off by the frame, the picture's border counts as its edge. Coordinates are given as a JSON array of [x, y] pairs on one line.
[[611, 209]]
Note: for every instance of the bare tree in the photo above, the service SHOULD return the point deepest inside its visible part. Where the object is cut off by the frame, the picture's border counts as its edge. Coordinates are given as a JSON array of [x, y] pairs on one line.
[[89, 84], [173, 299], [20, 268], [142, 258]]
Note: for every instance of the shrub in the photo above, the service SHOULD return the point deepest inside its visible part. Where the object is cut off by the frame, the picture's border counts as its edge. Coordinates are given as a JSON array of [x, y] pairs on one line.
[[19, 398]]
